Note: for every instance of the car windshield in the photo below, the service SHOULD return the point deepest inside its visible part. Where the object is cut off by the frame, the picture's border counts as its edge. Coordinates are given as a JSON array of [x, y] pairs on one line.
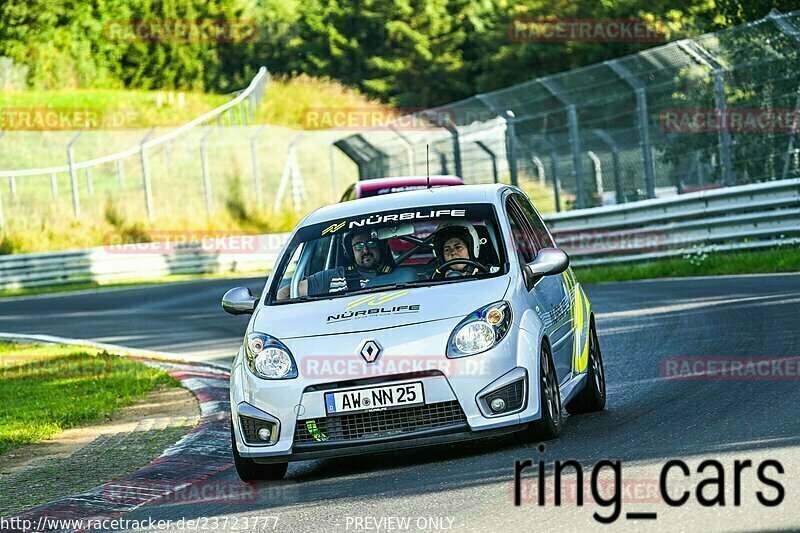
[[390, 249]]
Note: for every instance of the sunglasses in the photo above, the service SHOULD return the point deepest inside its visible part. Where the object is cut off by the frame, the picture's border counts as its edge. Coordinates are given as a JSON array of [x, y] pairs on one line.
[[359, 246]]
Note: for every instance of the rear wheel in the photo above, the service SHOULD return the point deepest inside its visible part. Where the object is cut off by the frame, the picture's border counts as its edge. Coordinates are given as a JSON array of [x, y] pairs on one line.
[[593, 396], [550, 424], [250, 471]]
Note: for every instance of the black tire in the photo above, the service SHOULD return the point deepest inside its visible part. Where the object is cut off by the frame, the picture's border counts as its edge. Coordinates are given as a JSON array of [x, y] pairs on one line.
[[552, 421], [249, 471], [593, 396]]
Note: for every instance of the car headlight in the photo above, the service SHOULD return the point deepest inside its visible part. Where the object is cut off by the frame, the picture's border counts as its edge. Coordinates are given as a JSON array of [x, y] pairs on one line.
[[268, 358], [480, 330]]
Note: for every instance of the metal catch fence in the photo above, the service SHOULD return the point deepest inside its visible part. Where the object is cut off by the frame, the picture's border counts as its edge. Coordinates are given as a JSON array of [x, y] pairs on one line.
[[713, 111], [68, 173]]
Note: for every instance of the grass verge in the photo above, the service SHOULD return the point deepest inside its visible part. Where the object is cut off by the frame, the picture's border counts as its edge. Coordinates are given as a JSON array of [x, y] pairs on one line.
[[285, 104], [698, 264], [45, 389]]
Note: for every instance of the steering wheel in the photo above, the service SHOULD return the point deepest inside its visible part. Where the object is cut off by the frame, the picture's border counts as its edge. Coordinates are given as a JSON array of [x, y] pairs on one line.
[[448, 265]]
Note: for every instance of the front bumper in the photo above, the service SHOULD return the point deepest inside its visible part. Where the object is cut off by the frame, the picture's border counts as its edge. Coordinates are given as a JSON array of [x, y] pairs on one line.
[[462, 382]]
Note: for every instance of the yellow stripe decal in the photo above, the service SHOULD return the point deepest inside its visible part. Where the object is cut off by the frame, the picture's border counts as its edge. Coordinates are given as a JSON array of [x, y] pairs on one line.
[[581, 331]]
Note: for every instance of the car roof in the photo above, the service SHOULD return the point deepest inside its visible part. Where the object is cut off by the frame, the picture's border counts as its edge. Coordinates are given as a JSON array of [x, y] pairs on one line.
[[405, 181], [466, 194]]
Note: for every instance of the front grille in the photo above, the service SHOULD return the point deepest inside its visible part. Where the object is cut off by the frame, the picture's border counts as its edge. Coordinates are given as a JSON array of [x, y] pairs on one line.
[[513, 395], [250, 427], [379, 423]]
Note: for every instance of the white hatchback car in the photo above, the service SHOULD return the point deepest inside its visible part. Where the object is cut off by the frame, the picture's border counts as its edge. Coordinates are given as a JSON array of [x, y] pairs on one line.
[[411, 319]]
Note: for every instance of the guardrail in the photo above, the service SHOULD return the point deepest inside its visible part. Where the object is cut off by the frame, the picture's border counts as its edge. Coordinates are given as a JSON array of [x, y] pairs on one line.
[[250, 253], [744, 217], [255, 89], [747, 217], [238, 111]]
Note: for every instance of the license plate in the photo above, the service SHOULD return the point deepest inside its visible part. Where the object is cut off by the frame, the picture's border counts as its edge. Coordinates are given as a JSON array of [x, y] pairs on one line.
[[374, 398]]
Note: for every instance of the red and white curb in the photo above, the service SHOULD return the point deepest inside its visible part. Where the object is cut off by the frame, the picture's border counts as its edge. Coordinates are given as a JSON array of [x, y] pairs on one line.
[[200, 454]]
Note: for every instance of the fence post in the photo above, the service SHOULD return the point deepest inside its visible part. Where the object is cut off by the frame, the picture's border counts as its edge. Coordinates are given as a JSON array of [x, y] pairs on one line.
[[644, 123], [553, 169], [786, 26], [53, 185], [148, 193], [409, 149], [539, 169], [334, 178], [575, 141], [120, 174], [612, 144], [355, 156], [598, 173], [89, 182], [510, 135], [448, 124], [647, 146], [704, 57], [298, 187], [556, 181], [574, 137], [73, 176], [511, 147], [12, 181], [493, 157], [204, 169], [256, 171]]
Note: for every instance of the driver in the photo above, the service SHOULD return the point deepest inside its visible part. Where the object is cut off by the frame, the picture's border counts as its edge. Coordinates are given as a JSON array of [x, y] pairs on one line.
[[369, 257], [457, 241]]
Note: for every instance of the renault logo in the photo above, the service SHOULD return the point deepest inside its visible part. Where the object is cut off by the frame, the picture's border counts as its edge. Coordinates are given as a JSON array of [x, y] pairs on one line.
[[369, 350]]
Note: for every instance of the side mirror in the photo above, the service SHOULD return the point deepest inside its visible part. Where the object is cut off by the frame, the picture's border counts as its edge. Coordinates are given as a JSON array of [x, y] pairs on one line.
[[239, 301], [548, 261]]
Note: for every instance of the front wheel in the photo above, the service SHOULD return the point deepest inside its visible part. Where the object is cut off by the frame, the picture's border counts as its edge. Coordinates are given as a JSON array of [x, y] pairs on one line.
[[250, 471], [593, 396], [550, 424]]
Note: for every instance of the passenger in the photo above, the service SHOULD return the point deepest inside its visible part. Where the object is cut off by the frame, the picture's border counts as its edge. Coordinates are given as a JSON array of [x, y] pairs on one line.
[[369, 257], [456, 241]]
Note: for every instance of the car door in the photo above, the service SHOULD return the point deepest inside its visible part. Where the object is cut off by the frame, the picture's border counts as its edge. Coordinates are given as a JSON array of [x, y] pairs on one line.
[[549, 295]]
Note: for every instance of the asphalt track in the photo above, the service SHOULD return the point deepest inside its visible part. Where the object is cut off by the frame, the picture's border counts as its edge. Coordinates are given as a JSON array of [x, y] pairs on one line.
[[649, 419]]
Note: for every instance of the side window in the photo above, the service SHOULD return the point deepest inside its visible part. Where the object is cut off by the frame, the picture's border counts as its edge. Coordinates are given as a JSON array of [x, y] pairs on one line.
[[540, 234], [319, 257], [291, 267], [526, 251]]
